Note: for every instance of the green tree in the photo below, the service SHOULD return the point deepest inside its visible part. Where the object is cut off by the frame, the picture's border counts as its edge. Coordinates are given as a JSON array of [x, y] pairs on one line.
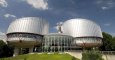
[[113, 44], [5, 50], [107, 42], [2, 43]]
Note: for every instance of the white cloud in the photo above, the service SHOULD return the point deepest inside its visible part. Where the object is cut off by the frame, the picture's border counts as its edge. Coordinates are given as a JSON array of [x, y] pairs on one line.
[[107, 24], [104, 8], [3, 3], [1, 33], [106, 4], [38, 4], [3, 36], [9, 15]]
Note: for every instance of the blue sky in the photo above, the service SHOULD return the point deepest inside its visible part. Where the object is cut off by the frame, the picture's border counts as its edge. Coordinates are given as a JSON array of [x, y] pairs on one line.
[[54, 11]]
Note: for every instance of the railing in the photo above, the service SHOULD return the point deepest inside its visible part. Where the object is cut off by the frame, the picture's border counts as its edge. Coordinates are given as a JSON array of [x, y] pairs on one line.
[[108, 52], [102, 52]]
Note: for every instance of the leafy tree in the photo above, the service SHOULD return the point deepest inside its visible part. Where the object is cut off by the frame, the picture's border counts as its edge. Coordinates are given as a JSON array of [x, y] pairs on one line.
[[5, 50], [107, 42], [2, 43], [113, 44]]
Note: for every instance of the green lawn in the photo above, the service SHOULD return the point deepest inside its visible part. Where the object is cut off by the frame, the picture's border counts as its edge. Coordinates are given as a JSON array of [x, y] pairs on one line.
[[42, 57]]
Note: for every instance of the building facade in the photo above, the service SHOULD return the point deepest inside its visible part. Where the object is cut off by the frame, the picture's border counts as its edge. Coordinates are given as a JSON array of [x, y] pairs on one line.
[[29, 32], [56, 42], [86, 33], [26, 33]]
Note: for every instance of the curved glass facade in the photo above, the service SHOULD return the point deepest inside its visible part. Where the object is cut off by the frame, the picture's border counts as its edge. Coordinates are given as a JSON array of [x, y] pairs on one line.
[[56, 43], [21, 39], [88, 41], [23, 35]]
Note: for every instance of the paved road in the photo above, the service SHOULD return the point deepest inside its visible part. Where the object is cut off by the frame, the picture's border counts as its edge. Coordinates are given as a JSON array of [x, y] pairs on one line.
[[109, 57], [79, 55]]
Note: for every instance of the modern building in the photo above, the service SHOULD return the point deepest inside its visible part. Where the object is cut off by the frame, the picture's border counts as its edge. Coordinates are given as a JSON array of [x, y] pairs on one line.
[[28, 32], [56, 42], [86, 33]]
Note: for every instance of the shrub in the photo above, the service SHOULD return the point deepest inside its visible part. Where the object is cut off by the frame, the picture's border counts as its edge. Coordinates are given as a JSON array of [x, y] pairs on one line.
[[91, 55]]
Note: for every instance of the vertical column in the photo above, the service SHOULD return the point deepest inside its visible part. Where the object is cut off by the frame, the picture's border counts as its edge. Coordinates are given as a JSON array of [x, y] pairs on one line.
[[58, 44], [64, 44], [45, 49], [16, 52], [51, 45], [71, 40], [67, 43], [54, 43], [61, 44], [42, 44], [31, 50], [47, 44]]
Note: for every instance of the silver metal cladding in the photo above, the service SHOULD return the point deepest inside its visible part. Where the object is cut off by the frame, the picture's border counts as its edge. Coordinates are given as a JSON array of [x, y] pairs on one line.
[[29, 25], [81, 28]]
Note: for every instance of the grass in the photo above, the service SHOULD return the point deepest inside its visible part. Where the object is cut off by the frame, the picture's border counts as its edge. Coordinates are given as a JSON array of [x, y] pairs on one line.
[[43, 56]]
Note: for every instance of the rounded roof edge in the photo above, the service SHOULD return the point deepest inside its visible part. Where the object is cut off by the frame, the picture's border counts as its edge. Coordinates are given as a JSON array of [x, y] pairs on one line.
[[83, 19], [24, 18], [80, 32], [25, 22]]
